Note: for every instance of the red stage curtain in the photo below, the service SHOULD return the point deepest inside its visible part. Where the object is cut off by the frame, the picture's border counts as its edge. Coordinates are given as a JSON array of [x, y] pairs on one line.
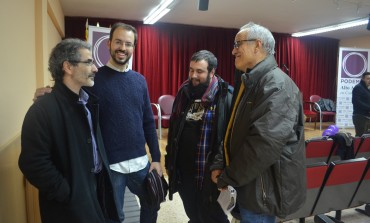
[[164, 50]]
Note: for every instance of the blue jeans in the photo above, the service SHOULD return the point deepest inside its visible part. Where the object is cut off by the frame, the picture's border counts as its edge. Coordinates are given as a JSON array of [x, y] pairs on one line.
[[251, 217], [136, 183]]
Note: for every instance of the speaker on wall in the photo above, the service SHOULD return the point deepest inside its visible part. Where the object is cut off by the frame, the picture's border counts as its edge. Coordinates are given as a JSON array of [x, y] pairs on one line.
[[203, 5]]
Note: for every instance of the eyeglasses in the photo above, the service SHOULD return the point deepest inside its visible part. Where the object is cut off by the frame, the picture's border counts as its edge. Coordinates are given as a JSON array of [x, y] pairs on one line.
[[127, 44], [238, 43], [89, 62]]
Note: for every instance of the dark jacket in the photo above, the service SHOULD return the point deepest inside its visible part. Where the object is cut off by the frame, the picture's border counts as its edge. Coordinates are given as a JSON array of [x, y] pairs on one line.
[[223, 98], [361, 99], [57, 158], [266, 148]]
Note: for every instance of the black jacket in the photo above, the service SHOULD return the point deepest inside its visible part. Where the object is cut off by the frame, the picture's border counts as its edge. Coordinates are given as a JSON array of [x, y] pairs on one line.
[[361, 99], [223, 97], [266, 147], [57, 158]]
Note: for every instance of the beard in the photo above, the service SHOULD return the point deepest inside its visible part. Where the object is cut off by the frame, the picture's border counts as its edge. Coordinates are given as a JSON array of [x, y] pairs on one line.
[[120, 62], [196, 92]]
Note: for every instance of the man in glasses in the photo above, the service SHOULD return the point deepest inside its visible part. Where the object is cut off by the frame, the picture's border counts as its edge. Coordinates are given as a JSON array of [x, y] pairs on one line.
[[197, 126], [62, 148], [264, 142], [127, 122]]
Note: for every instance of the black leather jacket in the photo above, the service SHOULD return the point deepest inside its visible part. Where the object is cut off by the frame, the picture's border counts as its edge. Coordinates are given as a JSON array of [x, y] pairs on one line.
[[223, 98]]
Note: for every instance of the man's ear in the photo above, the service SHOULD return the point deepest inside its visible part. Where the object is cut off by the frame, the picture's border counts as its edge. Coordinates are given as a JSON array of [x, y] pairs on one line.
[[67, 67], [258, 46], [108, 44], [212, 73]]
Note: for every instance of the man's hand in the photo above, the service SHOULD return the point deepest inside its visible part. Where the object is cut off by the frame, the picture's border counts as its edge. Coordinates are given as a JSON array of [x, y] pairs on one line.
[[157, 166], [41, 91], [215, 174]]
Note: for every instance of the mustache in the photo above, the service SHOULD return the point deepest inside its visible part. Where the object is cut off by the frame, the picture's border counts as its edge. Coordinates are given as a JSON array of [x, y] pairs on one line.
[[122, 51]]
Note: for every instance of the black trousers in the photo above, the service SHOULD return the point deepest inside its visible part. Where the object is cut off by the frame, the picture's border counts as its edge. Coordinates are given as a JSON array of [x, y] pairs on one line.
[[362, 124], [201, 206]]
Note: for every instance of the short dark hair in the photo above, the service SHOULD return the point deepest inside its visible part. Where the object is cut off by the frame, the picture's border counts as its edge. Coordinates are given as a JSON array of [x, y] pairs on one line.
[[207, 56], [125, 27], [364, 74], [66, 50]]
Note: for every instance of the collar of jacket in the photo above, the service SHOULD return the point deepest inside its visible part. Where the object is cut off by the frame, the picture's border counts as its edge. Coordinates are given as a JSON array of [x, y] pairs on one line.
[[257, 72], [364, 84], [59, 86], [183, 98], [210, 93]]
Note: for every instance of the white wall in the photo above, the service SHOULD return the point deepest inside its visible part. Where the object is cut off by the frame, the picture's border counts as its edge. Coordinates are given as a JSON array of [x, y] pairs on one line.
[[360, 42], [29, 29], [17, 62]]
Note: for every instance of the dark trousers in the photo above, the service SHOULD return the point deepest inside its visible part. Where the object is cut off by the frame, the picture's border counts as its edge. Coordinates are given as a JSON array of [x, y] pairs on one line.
[[200, 206], [362, 124]]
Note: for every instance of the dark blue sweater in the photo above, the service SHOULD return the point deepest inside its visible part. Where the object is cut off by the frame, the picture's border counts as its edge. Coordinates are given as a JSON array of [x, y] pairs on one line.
[[126, 116]]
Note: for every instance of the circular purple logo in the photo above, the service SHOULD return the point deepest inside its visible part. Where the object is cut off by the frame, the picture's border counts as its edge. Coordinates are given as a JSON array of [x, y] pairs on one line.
[[354, 64]]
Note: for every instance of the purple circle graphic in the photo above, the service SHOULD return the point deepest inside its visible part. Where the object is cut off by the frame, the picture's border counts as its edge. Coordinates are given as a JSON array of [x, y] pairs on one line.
[[354, 64]]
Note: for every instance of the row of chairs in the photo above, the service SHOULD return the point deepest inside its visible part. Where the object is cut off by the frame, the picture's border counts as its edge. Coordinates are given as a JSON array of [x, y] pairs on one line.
[[324, 150], [340, 185]]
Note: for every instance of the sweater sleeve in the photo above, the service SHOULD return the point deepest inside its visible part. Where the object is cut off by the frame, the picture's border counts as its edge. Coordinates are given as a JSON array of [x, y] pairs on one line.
[[149, 128]]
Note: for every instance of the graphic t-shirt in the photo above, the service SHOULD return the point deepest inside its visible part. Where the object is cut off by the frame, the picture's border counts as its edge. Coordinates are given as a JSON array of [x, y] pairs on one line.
[[190, 138]]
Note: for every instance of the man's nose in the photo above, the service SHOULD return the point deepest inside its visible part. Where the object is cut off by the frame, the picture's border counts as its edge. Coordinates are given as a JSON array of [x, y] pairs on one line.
[[94, 68]]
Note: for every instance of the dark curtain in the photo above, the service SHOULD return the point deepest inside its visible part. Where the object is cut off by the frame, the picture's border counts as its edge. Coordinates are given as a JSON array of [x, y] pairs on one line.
[[164, 50]]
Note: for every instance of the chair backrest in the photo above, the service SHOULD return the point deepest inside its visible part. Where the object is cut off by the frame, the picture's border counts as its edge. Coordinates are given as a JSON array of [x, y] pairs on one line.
[[362, 195], [166, 103], [315, 98], [155, 109], [315, 176], [340, 183], [333, 154], [356, 142], [318, 150], [363, 149]]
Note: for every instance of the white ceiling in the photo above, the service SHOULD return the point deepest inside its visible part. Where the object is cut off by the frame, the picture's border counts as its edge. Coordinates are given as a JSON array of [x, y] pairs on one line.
[[282, 16]]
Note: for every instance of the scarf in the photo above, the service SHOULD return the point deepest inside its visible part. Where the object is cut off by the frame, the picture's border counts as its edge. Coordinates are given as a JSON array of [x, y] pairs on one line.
[[209, 104]]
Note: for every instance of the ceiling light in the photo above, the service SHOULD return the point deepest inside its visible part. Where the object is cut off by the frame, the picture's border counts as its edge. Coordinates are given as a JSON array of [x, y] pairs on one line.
[[358, 22], [158, 12]]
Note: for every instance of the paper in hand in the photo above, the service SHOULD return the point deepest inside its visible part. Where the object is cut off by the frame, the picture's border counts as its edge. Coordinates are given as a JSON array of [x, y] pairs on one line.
[[227, 199]]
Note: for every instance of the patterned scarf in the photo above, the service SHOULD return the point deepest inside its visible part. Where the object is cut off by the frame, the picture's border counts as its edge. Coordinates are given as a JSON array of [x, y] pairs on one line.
[[209, 104], [206, 130]]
